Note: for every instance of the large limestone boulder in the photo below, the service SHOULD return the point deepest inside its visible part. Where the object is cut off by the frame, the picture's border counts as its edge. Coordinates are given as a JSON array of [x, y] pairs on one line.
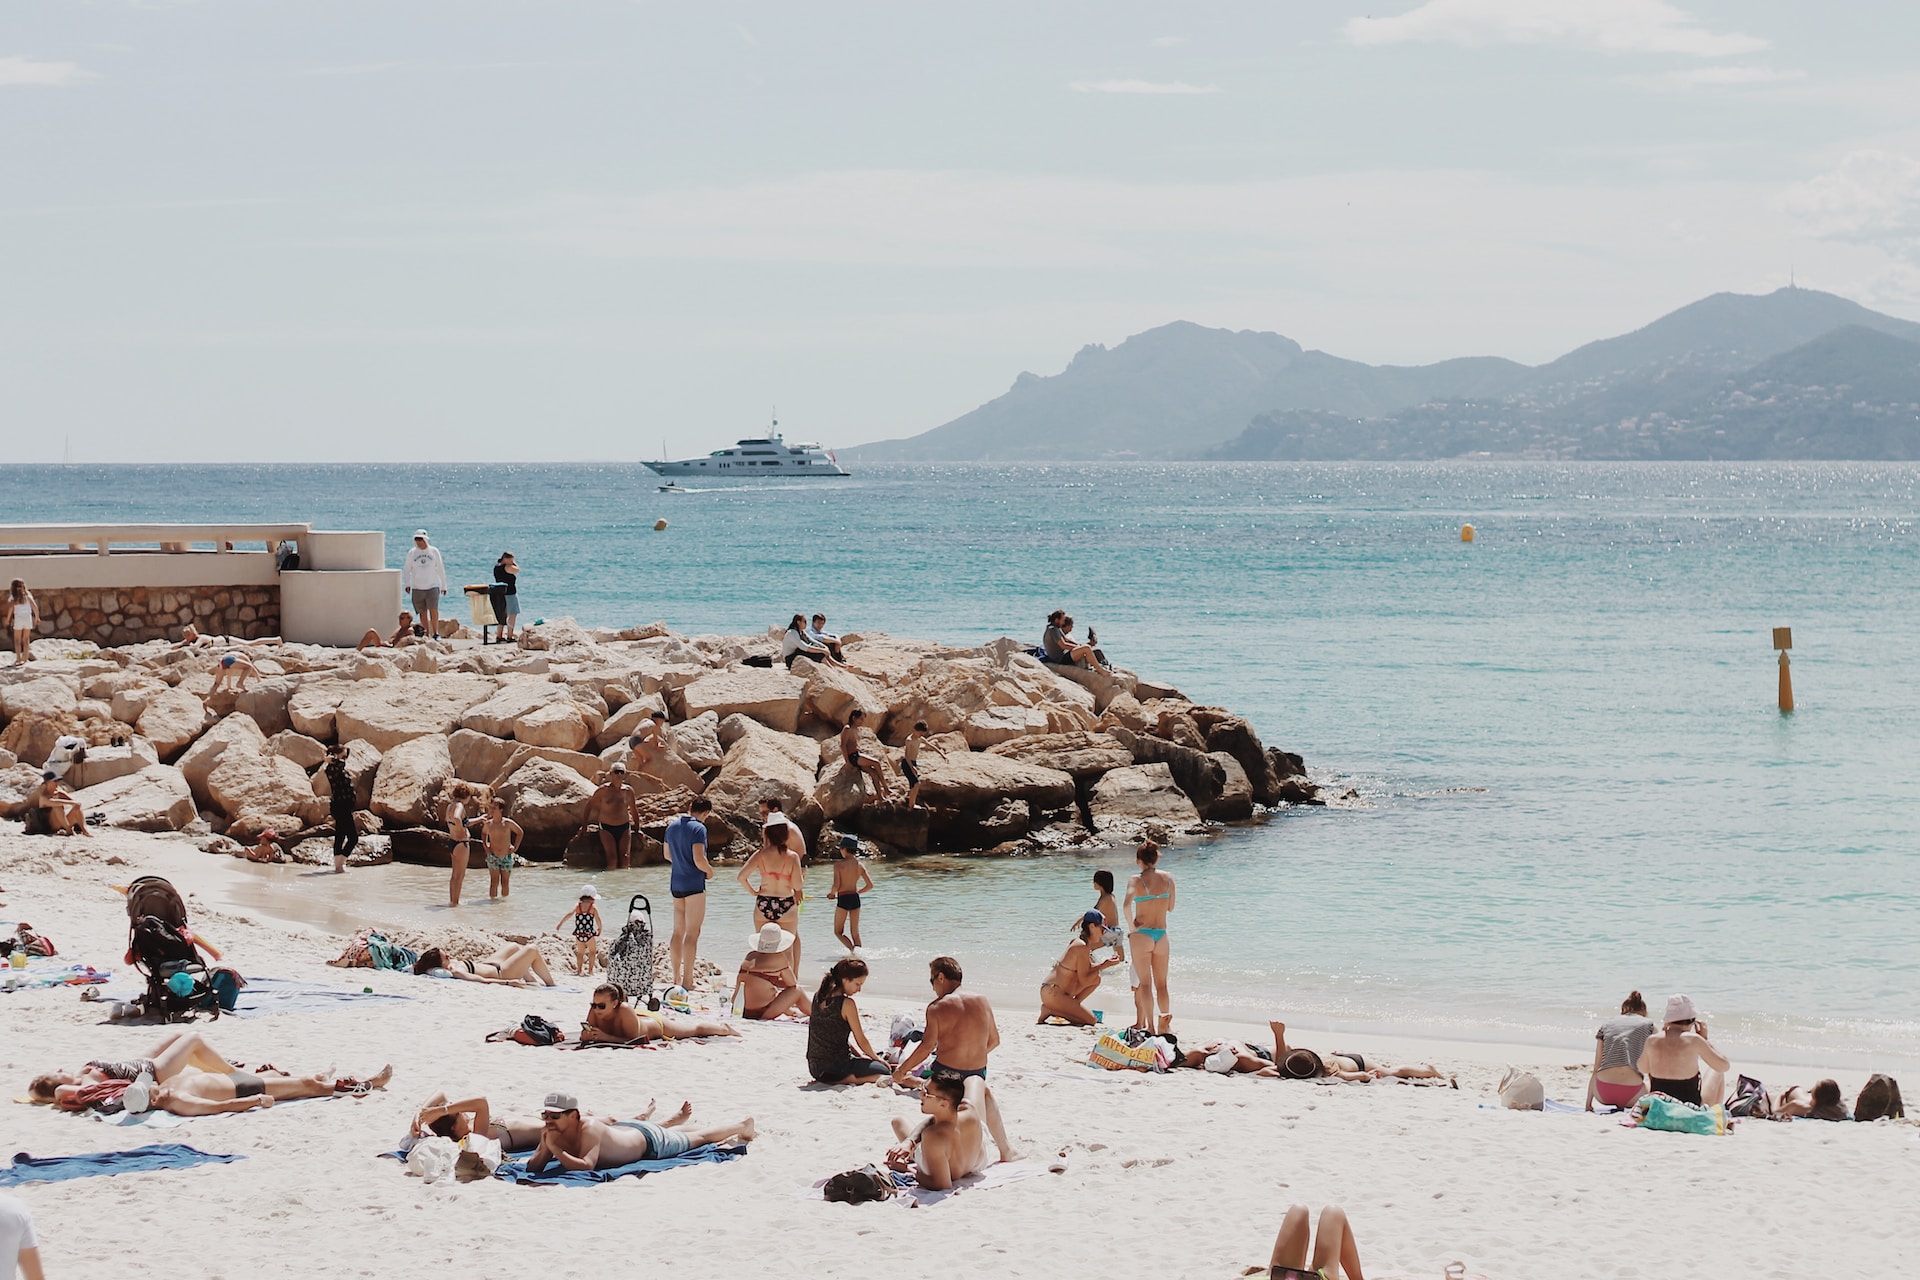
[[390, 712], [311, 709], [762, 761], [1235, 801], [247, 782], [154, 799], [412, 774], [31, 734], [770, 696], [562, 723], [1084, 755], [108, 683], [977, 780], [621, 724], [237, 731], [103, 764], [266, 701], [548, 800], [363, 765], [993, 725], [129, 699], [480, 757], [831, 692], [1198, 774], [17, 782], [655, 677], [48, 695], [1235, 737], [172, 720], [1140, 792], [886, 661], [697, 741], [1105, 686], [498, 714], [308, 753]]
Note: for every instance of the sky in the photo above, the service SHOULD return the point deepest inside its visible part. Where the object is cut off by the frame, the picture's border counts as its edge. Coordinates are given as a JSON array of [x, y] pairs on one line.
[[314, 230]]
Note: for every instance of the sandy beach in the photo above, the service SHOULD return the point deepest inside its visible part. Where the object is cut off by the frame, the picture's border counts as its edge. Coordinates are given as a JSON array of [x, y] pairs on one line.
[[1189, 1169]]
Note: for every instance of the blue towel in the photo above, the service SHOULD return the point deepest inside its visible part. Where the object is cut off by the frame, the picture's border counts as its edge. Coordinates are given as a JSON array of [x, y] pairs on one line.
[[555, 1176], [167, 1155], [263, 997]]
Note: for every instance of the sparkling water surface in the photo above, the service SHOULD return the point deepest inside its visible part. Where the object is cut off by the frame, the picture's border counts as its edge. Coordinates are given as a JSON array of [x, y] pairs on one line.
[[1571, 778]]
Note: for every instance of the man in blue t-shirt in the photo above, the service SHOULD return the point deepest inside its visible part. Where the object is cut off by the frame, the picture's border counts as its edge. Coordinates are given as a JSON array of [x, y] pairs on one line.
[[686, 841]]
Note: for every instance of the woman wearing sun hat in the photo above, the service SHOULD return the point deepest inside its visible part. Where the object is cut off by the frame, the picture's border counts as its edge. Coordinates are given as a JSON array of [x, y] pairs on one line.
[[768, 983]]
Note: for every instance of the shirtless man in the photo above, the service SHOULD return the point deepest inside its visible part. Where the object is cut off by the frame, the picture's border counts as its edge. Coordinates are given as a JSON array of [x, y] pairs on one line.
[[1680, 1062], [768, 982], [960, 1034], [951, 1143], [611, 1020], [781, 886], [864, 766], [1075, 976], [442, 1117], [211, 1093], [500, 838], [910, 759], [648, 743], [576, 1141], [232, 667], [616, 808]]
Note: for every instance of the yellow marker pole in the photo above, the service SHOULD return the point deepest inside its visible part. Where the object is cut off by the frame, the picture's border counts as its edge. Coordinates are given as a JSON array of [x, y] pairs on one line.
[[1783, 641]]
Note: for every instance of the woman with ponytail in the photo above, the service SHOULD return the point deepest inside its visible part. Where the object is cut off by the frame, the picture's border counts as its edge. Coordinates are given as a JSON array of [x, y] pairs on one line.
[[834, 1031]]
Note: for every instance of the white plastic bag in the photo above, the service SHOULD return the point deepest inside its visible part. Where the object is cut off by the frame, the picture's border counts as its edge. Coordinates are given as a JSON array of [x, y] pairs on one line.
[[433, 1159], [480, 1154]]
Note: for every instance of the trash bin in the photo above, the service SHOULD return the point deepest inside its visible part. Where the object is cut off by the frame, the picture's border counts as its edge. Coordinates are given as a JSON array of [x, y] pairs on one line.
[[480, 605]]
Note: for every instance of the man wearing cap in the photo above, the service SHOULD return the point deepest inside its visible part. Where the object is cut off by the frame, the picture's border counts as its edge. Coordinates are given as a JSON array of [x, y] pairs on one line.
[[424, 576], [1075, 976], [1680, 1061], [582, 1142], [686, 841], [616, 809], [768, 983]]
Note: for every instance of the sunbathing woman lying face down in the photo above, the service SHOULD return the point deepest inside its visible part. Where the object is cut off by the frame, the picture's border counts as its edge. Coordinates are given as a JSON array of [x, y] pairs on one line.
[[177, 1052], [514, 964]]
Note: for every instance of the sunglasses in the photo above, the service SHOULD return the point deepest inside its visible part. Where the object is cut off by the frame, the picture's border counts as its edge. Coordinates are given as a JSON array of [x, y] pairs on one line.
[[555, 1115], [601, 1004]]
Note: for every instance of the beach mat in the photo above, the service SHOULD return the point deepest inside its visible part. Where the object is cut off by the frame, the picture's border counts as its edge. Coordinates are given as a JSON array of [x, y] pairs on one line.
[[914, 1196], [99, 1164], [265, 997], [52, 973], [157, 1119], [554, 1176]]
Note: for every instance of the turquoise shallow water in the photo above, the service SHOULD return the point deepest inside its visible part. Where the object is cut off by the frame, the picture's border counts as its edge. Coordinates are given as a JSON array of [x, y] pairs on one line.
[[1572, 778]]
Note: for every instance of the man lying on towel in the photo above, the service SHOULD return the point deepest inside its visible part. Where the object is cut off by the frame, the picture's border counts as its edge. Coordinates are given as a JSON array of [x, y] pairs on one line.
[[578, 1141], [951, 1142]]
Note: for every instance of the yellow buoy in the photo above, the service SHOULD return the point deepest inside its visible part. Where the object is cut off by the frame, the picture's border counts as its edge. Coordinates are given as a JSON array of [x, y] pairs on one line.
[[658, 525], [1466, 533]]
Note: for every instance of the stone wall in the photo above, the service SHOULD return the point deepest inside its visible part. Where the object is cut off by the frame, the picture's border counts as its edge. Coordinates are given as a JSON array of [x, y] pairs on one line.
[[129, 615]]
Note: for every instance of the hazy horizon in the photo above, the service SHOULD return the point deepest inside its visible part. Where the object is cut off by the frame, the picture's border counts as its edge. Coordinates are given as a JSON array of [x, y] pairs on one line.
[[347, 231]]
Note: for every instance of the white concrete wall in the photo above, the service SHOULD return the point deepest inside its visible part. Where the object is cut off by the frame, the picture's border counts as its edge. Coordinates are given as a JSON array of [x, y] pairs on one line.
[[337, 608], [332, 550], [84, 570]]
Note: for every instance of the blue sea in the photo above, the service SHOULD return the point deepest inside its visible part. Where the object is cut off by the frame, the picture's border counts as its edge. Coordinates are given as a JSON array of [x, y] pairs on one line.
[[1570, 776]]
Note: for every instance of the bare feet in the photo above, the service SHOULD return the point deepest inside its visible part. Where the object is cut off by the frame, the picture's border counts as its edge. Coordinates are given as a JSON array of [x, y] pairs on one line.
[[378, 1080], [681, 1116], [746, 1130]]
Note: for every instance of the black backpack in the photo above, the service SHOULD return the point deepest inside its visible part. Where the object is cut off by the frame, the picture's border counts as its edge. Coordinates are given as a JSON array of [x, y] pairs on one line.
[[1879, 1097], [535, 1029], [860, 1186]]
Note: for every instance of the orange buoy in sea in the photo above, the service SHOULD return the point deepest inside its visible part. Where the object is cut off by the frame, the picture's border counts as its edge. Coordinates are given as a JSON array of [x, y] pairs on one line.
[[659, 526], [1466, 533]]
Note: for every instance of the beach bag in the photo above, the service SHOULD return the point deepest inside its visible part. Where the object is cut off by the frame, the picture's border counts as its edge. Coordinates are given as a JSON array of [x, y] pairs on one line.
[[433, 1159], [1749, 1100], [756, 660], [34, 822], [859, 1186], [630, 961], [1522, 1091], [226, 986], [479, 1155], [1657, 1111], [1879, 1099], [1115, 1054], [536, 1030]]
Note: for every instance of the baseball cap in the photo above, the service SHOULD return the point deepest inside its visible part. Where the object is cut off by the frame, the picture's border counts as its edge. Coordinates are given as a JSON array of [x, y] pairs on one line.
[[1093, 917], [560, 1102], [849, 842]]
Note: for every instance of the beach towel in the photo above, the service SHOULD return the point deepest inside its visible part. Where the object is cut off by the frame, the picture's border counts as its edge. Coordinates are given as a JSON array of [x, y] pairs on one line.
[[157, 1119], [264, 997], [51, 973], [914, 1196], [555, 1176], [96, 1164]]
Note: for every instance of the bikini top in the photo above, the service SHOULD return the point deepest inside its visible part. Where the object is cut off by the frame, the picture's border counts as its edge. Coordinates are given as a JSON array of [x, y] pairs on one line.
[[1150, 897]]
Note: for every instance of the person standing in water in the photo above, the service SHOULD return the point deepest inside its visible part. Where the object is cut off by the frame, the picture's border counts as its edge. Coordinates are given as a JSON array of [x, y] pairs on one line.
[[1150, 898], [686, 841], [456, 816], [500, 838], [781, 886], [850, 880], [506, 571]]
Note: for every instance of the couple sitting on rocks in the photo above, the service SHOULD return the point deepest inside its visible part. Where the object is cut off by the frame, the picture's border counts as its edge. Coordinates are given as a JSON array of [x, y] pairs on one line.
[[1059, 648], [815, 642]]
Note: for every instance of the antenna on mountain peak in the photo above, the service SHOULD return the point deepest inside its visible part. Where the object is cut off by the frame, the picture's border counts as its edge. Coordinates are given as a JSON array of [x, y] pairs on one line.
[[1790, 283]]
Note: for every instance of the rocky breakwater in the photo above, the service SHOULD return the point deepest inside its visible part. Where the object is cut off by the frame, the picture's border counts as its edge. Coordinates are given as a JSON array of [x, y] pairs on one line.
[[1020, 756]]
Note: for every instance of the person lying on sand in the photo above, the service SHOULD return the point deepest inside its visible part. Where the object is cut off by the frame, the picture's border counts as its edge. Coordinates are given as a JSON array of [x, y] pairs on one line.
[[1333, 1254], [1824, 1103], [514, 964], [1350, 1067], [177, 1052], [208, 1093], [577, 1141], [611, 1020], [952, 1142], [439, 1117]]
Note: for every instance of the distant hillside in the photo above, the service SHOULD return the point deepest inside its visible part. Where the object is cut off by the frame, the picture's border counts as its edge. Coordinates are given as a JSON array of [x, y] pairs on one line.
[[1793, 373]]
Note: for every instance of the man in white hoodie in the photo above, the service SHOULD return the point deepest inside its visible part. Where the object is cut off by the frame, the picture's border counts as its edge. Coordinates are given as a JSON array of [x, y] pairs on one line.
[[423, 576]]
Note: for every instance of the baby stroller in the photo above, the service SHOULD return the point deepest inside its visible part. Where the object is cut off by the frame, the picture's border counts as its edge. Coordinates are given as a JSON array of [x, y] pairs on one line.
[[159, 946], [630, 961]]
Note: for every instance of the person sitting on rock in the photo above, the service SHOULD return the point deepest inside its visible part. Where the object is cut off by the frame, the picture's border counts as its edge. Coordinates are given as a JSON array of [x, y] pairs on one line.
[[857, 760], [1060, 648], [818, 634], [401, 634], [64, 815], [795, 644]]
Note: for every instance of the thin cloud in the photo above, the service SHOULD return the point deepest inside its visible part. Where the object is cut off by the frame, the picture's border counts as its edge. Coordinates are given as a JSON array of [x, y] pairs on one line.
[[1167, 42], [383, 68], [1609, 26], [1871, 199], [1716, 77], [23, 72], [1176, 87]]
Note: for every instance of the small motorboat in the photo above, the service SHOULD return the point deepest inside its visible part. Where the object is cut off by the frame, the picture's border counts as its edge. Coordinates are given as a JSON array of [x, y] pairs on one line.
[[671, 487]]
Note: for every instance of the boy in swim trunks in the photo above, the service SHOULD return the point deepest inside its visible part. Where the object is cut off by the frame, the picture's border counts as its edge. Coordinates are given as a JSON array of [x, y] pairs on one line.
[[500, 837], [850, 880], [951, 1143], [863, 765], [577, 1141], [910, 759], [235, 668]]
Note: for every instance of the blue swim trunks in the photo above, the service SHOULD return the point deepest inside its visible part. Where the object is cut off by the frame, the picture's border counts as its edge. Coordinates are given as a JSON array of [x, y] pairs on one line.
[[662, 1143]]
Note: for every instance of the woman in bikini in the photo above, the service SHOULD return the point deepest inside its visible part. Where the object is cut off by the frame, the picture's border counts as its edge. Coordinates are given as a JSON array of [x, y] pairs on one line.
[[1112, 935], [781, 886], [1075, 976], [1150, 898], [611, 1020], [23, 616], [456, 816], [514, 964], [768, 983], [181, 1051]]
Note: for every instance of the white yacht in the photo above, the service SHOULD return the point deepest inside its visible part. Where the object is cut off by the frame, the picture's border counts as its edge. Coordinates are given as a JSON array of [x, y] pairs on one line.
[[759, 458]]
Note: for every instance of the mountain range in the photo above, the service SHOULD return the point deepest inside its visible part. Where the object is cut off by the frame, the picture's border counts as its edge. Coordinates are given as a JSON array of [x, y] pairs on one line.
[[1791, 374]]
